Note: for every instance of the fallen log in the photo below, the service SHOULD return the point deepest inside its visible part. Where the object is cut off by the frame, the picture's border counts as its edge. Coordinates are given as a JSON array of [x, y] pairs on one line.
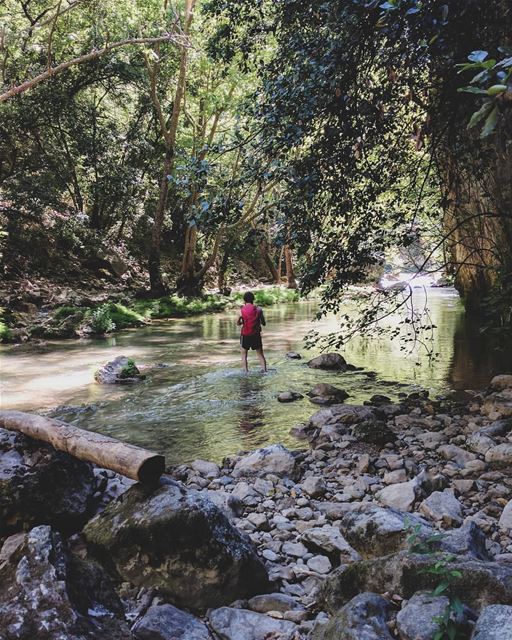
[[108, 453]]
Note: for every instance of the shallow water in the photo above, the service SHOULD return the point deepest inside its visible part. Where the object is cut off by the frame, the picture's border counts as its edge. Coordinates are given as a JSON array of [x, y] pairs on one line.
[[202, 406]]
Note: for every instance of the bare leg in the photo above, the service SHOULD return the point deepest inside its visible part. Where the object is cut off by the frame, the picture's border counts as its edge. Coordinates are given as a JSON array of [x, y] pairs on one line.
[[261, 358], [244, 359]]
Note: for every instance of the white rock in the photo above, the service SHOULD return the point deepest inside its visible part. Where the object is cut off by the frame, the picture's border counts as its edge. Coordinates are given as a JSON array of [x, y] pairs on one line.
[[206, 468], [442, 506], [313, 486], [319, 564], [295, 549], [401, 495], [505, 521], [274, 459], [241, 624]]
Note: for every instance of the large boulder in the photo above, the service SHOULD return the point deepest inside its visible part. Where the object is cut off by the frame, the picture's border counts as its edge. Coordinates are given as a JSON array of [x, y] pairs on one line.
[[240, 624], [39, 485], [499, 402], [418, 619], [442, 506], [179, 542], [373, 432], [476, 583], [494, 623], [120, 370], [47, 594], [330, 361], [501, 382], [165, 622], [323, 393], [273, 459], [363, 618]]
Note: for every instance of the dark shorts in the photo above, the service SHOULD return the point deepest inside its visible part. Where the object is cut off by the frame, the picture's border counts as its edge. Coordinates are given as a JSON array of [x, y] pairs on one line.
[[251, 342]]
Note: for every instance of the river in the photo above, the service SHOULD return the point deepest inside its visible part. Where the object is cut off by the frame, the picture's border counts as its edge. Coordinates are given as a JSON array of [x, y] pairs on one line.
[[200, 405]]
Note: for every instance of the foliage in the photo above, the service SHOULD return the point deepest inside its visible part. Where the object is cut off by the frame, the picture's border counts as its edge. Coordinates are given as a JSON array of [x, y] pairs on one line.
[[122, 316], [270, 296], [5, 332], [100, 321], [65, 311], [129, 370]]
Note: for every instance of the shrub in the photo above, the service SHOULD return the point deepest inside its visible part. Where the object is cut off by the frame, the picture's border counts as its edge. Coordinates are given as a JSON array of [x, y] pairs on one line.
[[100, 320]]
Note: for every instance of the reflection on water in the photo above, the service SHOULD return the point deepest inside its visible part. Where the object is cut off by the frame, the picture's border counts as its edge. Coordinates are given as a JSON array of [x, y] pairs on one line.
[[202, 405]]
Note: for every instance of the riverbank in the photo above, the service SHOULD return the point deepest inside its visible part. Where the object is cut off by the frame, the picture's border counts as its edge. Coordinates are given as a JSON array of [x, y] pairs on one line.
[[390, 503], [78, 314]]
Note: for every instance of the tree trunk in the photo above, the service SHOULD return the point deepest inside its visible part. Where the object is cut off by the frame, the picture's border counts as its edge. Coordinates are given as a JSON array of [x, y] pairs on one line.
[[154, 262], [291, 283], [268, 261], [108, 453]]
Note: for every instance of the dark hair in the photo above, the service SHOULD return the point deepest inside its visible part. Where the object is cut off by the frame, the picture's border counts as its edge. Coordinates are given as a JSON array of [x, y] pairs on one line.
[[248, 296]]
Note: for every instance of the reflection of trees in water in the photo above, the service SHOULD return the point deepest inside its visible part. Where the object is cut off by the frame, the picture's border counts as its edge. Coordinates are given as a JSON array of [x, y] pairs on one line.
[[476, 359], [251, 415]]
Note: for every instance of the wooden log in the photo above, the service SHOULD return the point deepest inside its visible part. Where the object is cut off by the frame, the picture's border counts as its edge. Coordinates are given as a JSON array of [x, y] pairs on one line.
[[108, 453]]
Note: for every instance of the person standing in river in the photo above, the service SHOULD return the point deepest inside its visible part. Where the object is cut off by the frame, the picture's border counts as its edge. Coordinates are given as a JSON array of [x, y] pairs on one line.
[[251, 319]]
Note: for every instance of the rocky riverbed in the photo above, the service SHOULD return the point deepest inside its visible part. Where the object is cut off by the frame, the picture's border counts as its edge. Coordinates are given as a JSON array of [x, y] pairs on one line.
[[396, 522]]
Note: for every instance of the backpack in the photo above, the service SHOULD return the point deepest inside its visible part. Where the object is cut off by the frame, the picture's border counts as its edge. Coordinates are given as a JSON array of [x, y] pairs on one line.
[[252, 320]]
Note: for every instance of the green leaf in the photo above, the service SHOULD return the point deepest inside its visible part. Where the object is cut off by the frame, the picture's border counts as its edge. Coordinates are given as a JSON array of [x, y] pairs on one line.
[[472, 90], [490, 123], [479, 115], [496, 89], [441, 588]]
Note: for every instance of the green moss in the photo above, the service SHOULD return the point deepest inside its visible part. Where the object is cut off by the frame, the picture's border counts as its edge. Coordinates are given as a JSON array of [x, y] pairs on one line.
[[129, 370], [123, 317], [5, 332]]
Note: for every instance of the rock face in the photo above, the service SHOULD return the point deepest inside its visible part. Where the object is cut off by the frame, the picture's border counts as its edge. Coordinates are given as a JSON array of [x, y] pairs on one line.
[[480, 584], [330, 361], [494, 623], [363, 618], [39, 485], [45, 594], [179, 542], [416, 621], [240, 624], [274, 459], [121, 370], [165, 622]]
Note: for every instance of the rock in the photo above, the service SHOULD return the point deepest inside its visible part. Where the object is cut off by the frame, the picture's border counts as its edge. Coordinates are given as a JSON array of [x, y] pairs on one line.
[[46, 593], [401, 496], [206, 468], [501, 382], [416, 620], [121, 370], [319, 564], [479, 442], [274, 602], [376, 531], [363, 618], [480, 583], [378, 400], [240, 624], [394, 477], [373, 432], [230, 505], [458, 455], [505, 521], [499, 402], [468, 540], [39, 485], [165, 622], [292, 355], [273, 459], [313, 486], [179, 542], [494, 623], [432, 439], [329, 540], [331, 361], [323, 393], [295, 549], [500, 455], [289, 396], [442, 506]]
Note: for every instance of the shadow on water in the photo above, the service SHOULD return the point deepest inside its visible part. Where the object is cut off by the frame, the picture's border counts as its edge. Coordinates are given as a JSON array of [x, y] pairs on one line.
[[202, 406]]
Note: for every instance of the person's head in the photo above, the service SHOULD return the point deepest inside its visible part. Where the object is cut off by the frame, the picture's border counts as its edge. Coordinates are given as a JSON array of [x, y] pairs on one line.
[[249, 297]]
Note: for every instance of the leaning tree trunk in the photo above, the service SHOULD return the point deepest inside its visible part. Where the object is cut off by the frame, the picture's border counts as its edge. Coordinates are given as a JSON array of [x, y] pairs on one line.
[[154, 259], [291, 283]]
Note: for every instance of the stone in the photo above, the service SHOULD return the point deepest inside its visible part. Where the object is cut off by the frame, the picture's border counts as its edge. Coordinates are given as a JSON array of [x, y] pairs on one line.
[[442, 506], [241, 624], [323, 393], [505, 521], [468, 540], [295, 549], [375, 531], [499, 403], [501, 382], [289, 396], [394, 477], [494, 623], [400, 496], [479, 584], [45, 592], [178, 542], [206, 468], [330, 361], [274, 602], [273, 459], [292, 355], [329, 540], [313, 486], [319, 564], [458, 455], [432, 439], [479, 442], [121, 370], [373, 432], [231, 506], [378, 399], [416, 620], [500, 455], [39, 485], [165, 622], [362, 618]]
